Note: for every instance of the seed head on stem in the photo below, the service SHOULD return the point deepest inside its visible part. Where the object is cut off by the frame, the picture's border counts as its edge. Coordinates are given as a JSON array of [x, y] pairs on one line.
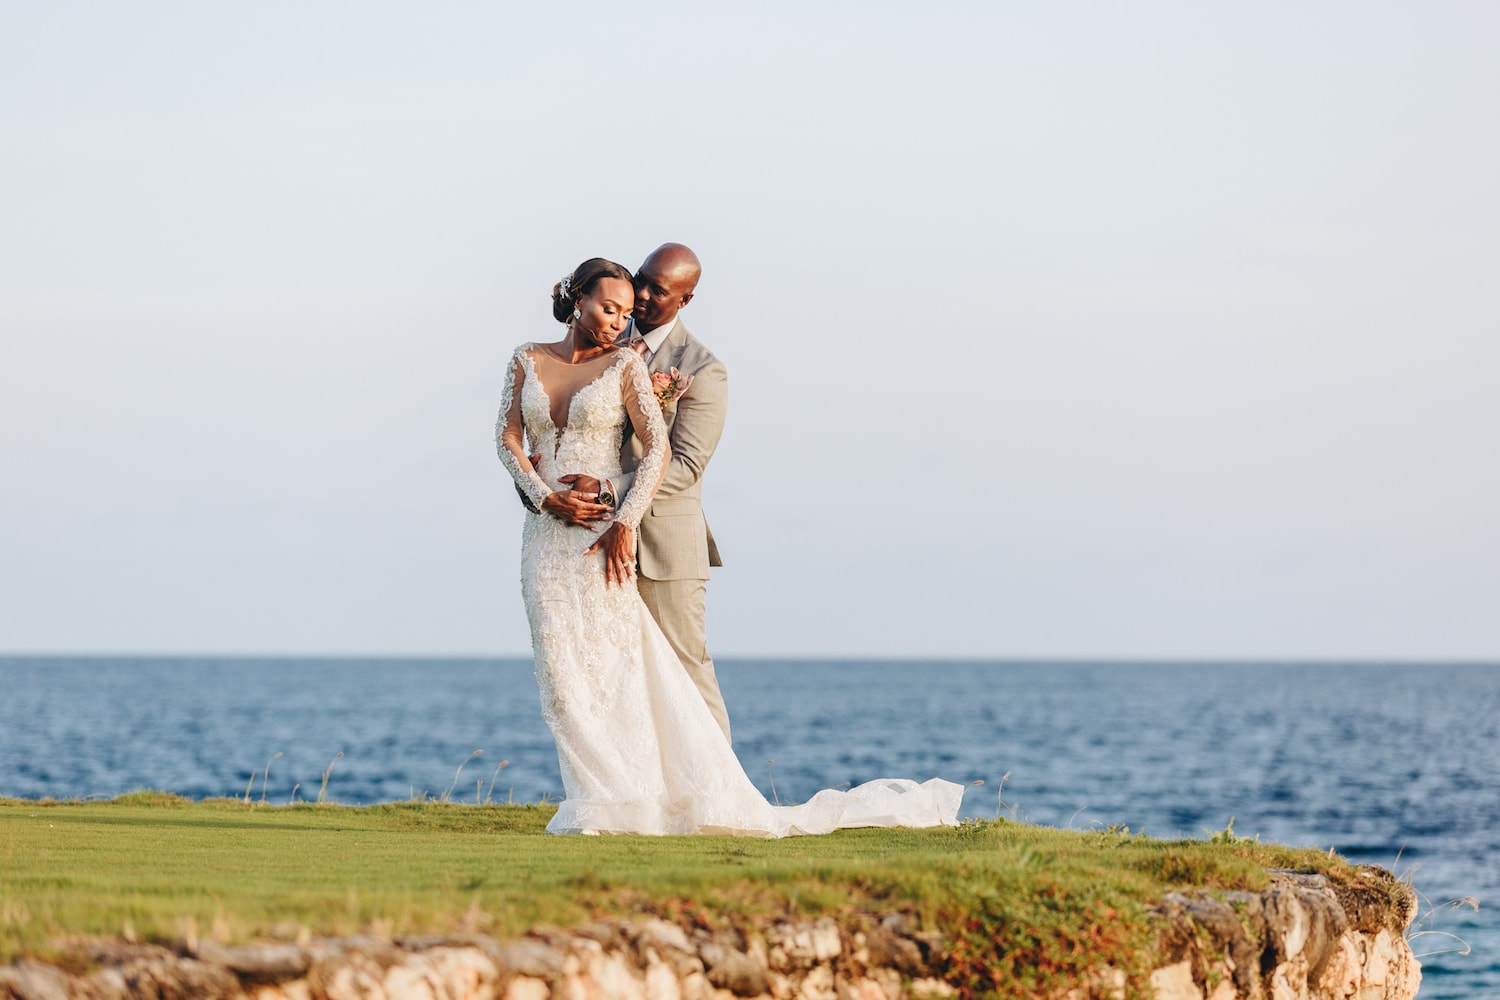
[[266, 778], [503, 763], [323, 791], [449, 792]]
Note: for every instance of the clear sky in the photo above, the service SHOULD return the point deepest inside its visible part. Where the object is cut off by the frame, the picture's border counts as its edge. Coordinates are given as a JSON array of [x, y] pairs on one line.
[[1064, 329]]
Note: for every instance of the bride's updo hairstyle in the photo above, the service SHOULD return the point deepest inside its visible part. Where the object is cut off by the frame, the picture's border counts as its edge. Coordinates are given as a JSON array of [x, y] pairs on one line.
[[567, 292]]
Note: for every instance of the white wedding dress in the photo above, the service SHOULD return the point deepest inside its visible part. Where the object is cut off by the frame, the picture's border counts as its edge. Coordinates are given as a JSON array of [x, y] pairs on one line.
[[638, 748]]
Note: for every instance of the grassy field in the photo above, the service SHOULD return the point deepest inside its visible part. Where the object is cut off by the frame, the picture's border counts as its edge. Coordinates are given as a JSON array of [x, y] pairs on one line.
[[157, 867]]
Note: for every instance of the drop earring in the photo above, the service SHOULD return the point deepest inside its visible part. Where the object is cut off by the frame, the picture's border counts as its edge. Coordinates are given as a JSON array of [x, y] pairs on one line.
[[577, 314]]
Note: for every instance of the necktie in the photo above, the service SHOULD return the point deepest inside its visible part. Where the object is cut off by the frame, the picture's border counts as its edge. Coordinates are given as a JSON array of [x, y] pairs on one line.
[[641, 348]]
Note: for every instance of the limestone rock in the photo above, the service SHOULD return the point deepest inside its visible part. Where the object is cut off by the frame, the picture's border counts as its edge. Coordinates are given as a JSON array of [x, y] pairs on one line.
[[1302, 939], [267, 964], [1175, 982], [527, 957], [28, 980], [174, 978], [733, 970], [802, 945]]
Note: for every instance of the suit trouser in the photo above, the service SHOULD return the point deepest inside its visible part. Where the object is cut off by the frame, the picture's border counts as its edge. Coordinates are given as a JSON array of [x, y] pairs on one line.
[[680, 609]]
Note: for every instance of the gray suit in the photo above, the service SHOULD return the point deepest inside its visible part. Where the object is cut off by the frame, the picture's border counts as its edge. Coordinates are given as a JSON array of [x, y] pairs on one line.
[[676, 548]]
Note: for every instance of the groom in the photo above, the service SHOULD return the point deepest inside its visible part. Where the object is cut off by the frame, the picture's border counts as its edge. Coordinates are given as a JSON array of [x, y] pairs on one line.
[[675, 548]]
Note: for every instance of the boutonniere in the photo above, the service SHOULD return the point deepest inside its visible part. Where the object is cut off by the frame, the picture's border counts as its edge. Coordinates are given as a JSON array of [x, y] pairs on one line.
[[670, 386]]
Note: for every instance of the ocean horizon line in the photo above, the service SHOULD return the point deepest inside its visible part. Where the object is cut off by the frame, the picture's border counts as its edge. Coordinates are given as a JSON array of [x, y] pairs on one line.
[[1126, 660]]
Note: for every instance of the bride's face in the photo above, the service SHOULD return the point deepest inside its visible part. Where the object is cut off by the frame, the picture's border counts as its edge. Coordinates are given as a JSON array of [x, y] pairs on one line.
[[604, 310]]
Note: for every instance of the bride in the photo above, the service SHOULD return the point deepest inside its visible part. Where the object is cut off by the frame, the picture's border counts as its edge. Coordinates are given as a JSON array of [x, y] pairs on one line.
[[638, 748]]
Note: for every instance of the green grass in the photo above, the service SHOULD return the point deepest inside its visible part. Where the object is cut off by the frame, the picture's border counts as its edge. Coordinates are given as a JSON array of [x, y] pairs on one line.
[[1028, 900]]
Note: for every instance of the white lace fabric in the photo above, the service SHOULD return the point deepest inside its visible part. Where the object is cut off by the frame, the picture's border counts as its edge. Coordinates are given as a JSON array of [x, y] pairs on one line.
[[573, 417], [637, 746]]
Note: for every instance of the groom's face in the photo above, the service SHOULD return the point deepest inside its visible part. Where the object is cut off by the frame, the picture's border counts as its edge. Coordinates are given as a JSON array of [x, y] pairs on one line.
[[659, 293]]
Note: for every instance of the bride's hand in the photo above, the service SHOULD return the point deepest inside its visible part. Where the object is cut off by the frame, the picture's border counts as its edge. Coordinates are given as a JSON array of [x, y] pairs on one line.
[[576, 507], [618, 543], [580, 504]]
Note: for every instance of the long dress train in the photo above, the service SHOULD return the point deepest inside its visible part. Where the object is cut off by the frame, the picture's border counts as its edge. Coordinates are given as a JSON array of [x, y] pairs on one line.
[[638, 748]]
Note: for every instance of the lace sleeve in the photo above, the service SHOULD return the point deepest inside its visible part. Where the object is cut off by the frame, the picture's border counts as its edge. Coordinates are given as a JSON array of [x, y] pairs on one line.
[[646, 420], [510, 441]]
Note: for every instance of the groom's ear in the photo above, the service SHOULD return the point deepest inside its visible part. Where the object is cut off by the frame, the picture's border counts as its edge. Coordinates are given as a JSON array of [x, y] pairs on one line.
[[685, 300]]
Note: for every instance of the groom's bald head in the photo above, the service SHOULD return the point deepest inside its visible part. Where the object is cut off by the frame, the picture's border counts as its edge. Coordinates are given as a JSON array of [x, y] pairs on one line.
[[674, 259], [664, 283]]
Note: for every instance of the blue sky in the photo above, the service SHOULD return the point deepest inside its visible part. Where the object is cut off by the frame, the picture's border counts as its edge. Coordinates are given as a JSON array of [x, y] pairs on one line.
[[1053, 330]]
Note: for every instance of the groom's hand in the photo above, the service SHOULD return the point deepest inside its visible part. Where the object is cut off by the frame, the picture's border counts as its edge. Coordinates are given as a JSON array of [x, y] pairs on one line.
[[582, 484], [577, 506], [618, 543]]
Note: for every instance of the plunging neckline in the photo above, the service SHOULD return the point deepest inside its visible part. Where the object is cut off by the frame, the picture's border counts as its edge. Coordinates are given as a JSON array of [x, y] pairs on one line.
[[535, 373]]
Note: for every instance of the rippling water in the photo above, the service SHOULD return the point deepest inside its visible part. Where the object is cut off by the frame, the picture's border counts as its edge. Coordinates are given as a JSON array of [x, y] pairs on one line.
[[1390, 764]]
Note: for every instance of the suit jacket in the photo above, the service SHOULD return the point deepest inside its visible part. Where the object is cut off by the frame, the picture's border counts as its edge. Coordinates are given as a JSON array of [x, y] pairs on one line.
[[675, 541]]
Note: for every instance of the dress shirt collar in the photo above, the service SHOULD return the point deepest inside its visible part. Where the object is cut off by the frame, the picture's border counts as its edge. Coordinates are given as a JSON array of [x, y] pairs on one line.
[[656, 337]]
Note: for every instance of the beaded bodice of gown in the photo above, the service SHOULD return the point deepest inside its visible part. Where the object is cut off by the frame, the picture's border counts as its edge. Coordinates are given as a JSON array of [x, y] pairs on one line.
[[573, 416]]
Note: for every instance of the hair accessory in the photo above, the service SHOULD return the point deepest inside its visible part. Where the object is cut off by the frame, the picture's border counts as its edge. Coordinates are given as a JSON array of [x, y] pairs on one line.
[[565, 286]]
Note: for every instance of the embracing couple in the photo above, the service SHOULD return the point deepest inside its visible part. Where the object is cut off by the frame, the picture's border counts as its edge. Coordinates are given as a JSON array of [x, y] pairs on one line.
[[606, 433]]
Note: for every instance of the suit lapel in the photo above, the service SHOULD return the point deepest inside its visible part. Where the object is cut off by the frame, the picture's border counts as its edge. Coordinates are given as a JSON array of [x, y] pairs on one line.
[[671, 350]]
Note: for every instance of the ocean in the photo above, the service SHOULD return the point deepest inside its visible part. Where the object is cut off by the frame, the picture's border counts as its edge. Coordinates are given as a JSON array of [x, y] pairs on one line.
[[1390, 764]]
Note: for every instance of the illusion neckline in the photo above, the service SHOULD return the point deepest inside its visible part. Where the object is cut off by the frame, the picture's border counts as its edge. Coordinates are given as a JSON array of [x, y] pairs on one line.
[[553, 355]]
